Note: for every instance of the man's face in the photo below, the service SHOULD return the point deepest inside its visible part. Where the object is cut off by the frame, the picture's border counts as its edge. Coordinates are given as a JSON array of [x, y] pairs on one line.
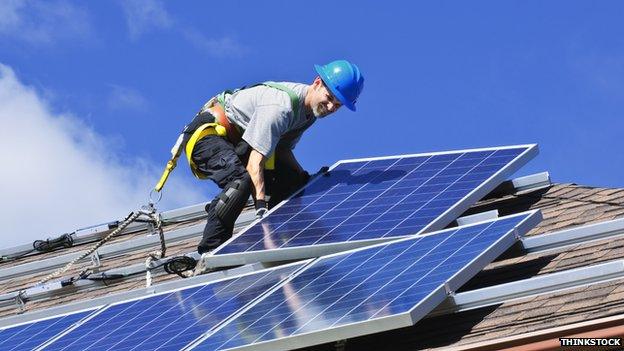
[[323, 101]]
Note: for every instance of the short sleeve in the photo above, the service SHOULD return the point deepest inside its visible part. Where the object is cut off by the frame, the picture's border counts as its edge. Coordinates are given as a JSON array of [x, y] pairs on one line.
[[266, 127]]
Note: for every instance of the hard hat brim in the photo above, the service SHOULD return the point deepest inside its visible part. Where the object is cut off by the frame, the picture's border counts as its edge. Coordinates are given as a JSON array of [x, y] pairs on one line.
[[325, 77]]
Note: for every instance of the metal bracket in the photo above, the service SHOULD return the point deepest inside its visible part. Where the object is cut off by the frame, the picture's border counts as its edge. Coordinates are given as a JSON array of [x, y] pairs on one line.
[[516, 234], [95, 261], [20, 300], [447, 289]]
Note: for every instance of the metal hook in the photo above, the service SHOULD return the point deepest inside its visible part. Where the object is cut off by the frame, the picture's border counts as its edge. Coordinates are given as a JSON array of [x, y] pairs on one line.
[[151, 196]]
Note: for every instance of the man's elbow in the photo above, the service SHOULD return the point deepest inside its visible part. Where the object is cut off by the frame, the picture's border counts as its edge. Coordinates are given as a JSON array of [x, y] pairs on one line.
[[253, 168]]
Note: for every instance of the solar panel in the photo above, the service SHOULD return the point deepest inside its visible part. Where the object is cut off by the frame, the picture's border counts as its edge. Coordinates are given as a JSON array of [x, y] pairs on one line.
[[368, 290], [30, 335], [171, 320], [366, 201]]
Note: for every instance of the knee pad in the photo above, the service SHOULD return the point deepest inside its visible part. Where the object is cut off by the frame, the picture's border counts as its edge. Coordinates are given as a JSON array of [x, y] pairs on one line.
[[232, 199]]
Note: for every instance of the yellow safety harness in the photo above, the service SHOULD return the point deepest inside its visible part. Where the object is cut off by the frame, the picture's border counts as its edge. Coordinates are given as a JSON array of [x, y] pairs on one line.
[[203, 131], [216, 109]]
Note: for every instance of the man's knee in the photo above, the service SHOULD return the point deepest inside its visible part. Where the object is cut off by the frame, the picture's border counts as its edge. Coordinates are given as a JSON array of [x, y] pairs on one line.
[[232, 199]]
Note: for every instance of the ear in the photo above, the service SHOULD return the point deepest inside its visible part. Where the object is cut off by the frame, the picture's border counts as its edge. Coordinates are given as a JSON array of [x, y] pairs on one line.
[[317, 83]]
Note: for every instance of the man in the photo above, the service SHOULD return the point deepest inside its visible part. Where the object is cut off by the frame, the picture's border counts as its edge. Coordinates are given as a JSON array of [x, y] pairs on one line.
[[238, 133]]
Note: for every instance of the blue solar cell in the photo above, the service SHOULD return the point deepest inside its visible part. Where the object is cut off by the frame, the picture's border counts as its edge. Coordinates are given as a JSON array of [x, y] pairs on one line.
[[169, 321], [358, 200], [365, 285], [29, 336]]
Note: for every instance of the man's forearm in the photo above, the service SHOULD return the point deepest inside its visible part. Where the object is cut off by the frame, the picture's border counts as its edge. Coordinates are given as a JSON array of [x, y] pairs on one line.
[[255, 168]]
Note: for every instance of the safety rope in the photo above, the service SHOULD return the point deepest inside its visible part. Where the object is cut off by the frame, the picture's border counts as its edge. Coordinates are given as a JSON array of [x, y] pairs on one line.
[[148, 270], [181, 265], [157, 219], [63, 241], [131, 218], [155, 255]]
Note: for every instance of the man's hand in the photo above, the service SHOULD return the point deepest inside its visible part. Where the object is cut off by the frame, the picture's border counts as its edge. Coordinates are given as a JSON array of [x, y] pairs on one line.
[[323, 171], [262, 207]]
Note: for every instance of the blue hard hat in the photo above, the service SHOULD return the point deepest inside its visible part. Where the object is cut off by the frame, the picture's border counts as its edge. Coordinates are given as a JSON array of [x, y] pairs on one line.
[[343, 79]]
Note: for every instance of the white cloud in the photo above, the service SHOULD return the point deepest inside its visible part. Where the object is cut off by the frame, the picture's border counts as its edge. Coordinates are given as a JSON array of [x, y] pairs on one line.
[[224, 47], [43, 22], [58, 174], [143, 16], [124, 98], [9, 16]]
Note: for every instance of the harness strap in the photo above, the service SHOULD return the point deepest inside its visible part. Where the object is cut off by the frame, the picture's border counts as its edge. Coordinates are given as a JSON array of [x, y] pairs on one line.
[[294, 98], [233, 134], [171, 164], [203, 131]]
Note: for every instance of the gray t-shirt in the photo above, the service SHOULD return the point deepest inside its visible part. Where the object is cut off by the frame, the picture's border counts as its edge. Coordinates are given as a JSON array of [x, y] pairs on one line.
[[267, 117]]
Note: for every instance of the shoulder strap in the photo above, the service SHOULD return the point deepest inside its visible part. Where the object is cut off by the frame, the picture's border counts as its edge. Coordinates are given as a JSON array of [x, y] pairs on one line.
[[221, 96], [294, 98]]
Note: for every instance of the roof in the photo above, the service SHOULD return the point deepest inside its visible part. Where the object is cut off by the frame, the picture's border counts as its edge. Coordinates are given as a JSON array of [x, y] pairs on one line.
[[564, 206], [498, 321]]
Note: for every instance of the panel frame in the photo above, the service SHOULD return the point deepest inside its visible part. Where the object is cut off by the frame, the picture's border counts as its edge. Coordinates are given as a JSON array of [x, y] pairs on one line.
[[103, 308], [214, 259], [400, 320]]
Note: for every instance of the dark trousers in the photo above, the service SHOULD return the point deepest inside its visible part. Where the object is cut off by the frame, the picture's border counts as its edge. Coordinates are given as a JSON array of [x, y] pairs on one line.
[[223, 163], [217, 158]]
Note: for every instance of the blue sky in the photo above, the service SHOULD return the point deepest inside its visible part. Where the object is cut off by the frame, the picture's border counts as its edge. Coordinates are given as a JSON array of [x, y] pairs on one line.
[[100, 90]]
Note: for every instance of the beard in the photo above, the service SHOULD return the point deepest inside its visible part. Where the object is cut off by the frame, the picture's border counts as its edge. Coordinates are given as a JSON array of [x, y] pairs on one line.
[[320, 111]]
